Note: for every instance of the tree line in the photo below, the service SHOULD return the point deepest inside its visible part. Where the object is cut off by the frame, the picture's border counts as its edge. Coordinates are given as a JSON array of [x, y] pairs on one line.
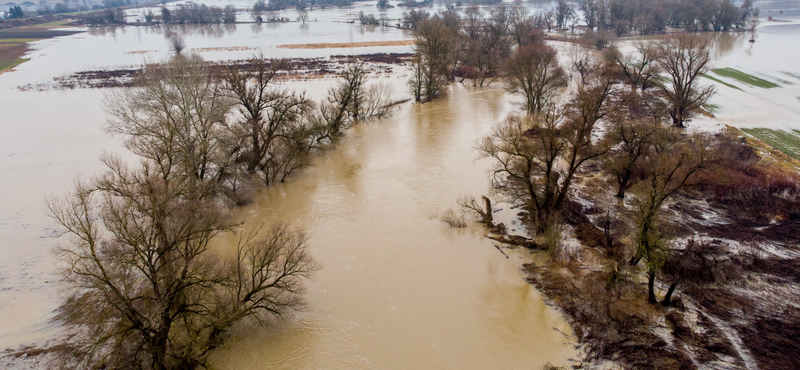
[[147, 286], [622, 113]]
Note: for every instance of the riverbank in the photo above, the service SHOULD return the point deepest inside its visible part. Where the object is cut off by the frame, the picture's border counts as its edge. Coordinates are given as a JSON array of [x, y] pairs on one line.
[[737, 299]]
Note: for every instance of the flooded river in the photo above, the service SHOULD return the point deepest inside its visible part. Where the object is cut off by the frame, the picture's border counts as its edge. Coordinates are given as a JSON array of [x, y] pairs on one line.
[[398, 288]]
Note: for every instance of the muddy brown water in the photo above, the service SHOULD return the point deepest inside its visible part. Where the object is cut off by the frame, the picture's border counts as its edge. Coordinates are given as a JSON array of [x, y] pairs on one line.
[[399, 289]]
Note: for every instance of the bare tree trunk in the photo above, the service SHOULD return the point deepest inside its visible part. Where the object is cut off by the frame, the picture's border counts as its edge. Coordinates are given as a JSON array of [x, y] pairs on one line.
[[487, 217], [667, 299], [651, 280]]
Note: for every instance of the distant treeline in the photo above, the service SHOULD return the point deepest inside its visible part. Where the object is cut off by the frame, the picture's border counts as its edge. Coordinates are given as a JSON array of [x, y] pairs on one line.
[[275, 5], [193, 13], [651, 16], [625, 16], [65, 7]]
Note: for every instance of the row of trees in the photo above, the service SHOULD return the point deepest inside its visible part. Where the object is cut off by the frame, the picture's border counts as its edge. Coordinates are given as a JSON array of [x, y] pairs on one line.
[[275, 5], [476, 46], [148, 286], [194, 13], [448, 46], [651, 16]]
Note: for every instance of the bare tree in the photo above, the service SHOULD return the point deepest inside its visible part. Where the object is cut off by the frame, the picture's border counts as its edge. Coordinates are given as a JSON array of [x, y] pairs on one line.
[[473, 21], [522, 27], [685, 58], [172, 117], [378, 101], [302, 16], [176, 43], [416, 82], [641, 68], [583, 62], [537, 157], [564, 12], [434, 43], [633, 142], [674, 165], [269, 137], [534, 73], [145, 290], [590, 10]]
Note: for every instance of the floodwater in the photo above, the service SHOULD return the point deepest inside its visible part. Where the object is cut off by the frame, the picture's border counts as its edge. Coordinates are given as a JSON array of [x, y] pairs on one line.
[[774, 57], [398, 288]]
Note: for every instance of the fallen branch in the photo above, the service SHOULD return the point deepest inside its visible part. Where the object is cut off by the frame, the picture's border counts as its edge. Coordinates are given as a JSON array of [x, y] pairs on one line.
[[501, 251]]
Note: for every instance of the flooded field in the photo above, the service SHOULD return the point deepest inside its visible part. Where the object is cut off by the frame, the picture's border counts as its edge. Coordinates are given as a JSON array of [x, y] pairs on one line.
[[398, 288]]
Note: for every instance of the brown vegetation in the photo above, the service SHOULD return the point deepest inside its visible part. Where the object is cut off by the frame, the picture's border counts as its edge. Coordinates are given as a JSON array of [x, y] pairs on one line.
[[292, 69]]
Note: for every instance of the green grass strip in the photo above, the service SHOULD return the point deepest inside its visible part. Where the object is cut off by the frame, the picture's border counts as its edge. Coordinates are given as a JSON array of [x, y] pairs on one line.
[[787, 142], [744, 77], [712, 78], [8, 64]]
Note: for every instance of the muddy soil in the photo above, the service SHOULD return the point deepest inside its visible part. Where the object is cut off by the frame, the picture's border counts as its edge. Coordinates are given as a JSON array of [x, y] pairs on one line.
[[292, 69]]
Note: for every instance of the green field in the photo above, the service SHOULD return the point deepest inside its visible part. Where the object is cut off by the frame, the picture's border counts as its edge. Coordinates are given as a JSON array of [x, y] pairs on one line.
[[712, 78], [787, 142], [744, 77], [8, 64]]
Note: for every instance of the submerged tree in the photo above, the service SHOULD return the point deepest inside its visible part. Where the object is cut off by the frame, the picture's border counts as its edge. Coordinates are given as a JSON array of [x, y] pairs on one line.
[[641, 68], [434, 47], [537, 157], [269, 138], [534, 73], [145, 288], [173, 117]]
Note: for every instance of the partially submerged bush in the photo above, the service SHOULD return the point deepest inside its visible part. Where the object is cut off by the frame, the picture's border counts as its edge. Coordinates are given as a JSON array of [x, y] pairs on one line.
[[453, 219]]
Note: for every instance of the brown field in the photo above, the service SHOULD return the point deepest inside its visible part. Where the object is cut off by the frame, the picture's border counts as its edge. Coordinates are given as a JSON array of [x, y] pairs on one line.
[[346, 45]]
